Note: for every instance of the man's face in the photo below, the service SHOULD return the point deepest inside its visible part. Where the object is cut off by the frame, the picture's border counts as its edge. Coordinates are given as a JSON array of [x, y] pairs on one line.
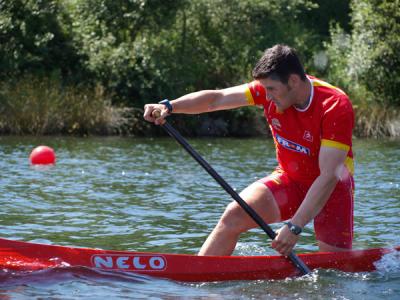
[[279, 93]]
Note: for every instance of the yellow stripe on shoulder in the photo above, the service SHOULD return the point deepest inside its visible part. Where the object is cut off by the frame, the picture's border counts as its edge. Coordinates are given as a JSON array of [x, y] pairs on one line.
[[317, 82], [334, 144], [249, 96]]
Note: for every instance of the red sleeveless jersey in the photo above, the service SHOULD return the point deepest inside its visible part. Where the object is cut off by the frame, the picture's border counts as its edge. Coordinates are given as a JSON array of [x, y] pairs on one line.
[[328, 121]]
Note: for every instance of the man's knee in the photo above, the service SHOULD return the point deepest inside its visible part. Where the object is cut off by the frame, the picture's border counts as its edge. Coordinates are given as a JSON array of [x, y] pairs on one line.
[[260, 199], [234, 219]]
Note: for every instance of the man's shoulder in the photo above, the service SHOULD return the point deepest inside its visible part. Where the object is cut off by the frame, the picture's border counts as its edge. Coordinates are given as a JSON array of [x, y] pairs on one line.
[[326, 89], [330, 96]]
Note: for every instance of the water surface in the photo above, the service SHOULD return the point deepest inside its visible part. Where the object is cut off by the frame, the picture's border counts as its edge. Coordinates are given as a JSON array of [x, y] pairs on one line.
[[149, 195]]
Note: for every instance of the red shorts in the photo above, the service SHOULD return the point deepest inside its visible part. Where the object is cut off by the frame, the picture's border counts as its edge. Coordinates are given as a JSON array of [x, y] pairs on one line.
[[334, 224]]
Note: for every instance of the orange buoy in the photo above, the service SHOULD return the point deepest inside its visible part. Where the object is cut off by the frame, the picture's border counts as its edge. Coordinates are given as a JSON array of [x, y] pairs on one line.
[[42, 155]]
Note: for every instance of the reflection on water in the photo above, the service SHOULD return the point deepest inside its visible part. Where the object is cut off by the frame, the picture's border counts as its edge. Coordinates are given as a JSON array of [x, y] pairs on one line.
[[149, 195]]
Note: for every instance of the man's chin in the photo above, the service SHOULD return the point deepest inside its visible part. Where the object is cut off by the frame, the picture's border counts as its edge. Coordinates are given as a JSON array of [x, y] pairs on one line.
[[280, 108]]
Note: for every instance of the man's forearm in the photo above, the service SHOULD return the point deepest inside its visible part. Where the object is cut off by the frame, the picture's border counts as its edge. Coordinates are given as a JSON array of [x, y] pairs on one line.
[[211, 100], [195, 103]]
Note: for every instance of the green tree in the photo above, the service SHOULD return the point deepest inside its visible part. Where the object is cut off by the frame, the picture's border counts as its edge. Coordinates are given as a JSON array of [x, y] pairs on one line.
[[374, 59], [149, 49], [215, 44], [33, 40], [367, 60], [113, 35], [325, 12]]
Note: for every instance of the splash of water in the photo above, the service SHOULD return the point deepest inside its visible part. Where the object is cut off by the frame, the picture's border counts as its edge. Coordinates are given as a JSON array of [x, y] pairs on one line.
[[389, 264], [252, 249], [59, 262]]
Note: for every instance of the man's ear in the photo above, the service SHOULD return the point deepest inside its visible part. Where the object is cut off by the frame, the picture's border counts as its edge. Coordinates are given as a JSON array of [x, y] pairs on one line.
[[294, 80]]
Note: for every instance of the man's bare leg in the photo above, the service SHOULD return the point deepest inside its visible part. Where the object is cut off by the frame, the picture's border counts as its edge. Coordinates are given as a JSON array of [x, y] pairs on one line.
[[234, 221]]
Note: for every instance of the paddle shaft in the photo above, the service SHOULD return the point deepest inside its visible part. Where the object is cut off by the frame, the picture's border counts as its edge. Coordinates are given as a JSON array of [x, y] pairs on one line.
[[248, 209]]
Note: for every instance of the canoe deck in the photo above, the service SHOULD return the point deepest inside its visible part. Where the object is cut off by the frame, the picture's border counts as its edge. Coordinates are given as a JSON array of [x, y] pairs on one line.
[[25, 256]]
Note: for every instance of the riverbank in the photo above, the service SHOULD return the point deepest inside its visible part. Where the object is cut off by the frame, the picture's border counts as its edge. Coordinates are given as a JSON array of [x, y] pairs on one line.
[[35, 106]]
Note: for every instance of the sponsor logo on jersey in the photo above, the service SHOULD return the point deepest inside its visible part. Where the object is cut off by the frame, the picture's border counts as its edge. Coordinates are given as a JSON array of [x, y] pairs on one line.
[[129, 262], [291, 145], [307, 136], [276, 124]]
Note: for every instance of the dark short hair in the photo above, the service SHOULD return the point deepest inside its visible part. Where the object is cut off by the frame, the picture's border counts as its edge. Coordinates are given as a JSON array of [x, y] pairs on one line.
[[278, 63]]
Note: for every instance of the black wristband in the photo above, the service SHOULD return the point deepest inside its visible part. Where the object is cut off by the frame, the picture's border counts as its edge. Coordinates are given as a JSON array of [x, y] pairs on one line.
[[167, 104], [294, 228]]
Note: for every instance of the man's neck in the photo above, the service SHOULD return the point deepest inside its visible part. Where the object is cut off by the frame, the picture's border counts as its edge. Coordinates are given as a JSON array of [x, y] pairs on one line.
[[304, 95]]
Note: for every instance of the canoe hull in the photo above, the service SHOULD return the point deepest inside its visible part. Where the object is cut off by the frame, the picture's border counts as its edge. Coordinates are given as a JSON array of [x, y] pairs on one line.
[[25, 256]]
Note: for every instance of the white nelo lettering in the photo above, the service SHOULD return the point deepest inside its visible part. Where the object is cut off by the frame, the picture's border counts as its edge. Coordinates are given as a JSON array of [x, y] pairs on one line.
[[121, 262], [129, 262], [137, 264], [157, 263], [100, 262]]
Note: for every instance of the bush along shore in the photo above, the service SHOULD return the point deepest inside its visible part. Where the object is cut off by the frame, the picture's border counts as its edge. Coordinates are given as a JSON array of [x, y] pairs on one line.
[[42, 106], [88, 67]]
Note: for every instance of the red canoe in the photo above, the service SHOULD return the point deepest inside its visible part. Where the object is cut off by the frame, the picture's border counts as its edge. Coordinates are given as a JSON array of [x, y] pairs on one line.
[[24, 256]]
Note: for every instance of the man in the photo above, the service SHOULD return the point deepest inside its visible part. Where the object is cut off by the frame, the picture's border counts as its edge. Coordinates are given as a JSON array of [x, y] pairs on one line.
[[311, 122]]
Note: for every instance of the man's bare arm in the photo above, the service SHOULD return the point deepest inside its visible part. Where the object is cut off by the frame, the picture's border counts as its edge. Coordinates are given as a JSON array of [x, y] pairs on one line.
[[331, 163], [201, 102]]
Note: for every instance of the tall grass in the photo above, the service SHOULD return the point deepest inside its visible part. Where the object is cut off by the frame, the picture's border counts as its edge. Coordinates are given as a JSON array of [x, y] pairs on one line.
[[40, 106], [377, 121], [373, 117]]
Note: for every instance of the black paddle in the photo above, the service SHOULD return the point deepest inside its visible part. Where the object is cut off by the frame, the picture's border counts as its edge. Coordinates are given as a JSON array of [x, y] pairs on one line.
[[250, 211]]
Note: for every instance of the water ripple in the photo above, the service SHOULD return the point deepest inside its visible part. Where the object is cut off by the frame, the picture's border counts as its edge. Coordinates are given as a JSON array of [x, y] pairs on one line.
[[149, 195]]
